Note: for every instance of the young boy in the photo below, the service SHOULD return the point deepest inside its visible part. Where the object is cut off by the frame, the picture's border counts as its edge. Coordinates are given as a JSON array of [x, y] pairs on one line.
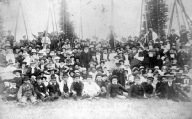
[[40, 90], [26, 91], [115, 89], [136, 90], [17, 79], [53, 88], [76, 87], [148, 88], [65, 86]]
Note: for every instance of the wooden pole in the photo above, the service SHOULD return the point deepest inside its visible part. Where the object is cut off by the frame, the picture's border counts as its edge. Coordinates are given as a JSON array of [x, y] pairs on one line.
[[146, 20], [24, 21], [141, 17], [171, 19], [55, 18], [81, 21], [15, 34], [186, 15], [178, 17]]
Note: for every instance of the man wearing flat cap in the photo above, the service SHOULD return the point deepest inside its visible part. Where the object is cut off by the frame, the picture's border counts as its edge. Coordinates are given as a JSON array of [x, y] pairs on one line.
[[76, 87]]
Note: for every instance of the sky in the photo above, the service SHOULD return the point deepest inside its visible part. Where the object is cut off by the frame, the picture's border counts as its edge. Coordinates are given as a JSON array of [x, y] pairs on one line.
[[95, 22]]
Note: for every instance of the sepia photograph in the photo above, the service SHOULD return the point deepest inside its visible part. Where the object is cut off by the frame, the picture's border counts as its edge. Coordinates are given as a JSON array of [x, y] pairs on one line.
[[95, 59]]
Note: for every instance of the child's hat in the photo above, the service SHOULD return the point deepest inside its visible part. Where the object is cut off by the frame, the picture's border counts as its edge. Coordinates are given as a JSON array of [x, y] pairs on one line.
[[17, 71]]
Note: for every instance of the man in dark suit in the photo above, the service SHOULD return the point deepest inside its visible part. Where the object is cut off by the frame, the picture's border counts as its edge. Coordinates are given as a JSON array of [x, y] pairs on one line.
[[173, 37], [33, 70], [85, 57]]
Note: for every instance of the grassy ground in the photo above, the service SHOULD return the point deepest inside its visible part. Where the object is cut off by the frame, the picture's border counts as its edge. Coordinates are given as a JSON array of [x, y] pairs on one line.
[[99, 109]]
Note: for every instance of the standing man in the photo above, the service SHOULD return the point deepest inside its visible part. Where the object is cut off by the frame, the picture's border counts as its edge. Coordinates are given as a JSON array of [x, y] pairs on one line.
[[111, 38], [10, 38], [183, 35], [150, 36], [173, 37]]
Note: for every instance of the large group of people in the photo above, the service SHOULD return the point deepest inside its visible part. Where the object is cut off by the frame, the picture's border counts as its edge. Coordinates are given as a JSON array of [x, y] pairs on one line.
[[49, 68]]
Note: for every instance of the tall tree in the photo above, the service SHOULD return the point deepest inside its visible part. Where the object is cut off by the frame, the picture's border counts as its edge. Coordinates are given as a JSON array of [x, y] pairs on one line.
[[66, 25], [156, 13]]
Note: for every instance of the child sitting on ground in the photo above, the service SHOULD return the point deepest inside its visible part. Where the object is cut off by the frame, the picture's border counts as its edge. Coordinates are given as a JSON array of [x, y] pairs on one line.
[[136, 90], [116, 90]]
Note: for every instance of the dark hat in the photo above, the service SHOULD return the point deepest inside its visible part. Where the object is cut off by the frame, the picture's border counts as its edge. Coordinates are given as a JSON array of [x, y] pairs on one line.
[[114, 77], [104, 75], [77, 75], [26, 78], [116, 56], [135, 69], [99, 74], [17, 71], [61, 60], [53, 77], [168, 74], [44, 77], [89, 76], [118, 64], [150, 78], [133, 47], [52, 70], [121, 60], [49, 56], [24, 63], [65, 76], [39, 78]]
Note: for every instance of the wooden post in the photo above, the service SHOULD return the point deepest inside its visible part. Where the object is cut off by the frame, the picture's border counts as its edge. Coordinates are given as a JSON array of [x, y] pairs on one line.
[[15, 34], [141, 17], [24, 21], [171, 19]]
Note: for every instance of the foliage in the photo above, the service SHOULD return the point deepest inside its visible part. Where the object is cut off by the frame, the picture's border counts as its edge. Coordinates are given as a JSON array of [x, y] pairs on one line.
[[157, 16], [66, 25]]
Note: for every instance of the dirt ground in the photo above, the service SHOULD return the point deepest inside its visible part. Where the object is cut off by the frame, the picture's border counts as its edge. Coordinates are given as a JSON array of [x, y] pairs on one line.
[[99, 109]]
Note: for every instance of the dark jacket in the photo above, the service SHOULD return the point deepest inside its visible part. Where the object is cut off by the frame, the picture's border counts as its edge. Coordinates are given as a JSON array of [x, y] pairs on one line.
[[53, 88], [136, 91], [148, 88], [115, 89], [78, 87]]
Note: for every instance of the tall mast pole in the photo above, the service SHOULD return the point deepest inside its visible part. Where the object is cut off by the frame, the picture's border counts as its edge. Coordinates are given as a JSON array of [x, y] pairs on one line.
[[141, 18], [81, 21]]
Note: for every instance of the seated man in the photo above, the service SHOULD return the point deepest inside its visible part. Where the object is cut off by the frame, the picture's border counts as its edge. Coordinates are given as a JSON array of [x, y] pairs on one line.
[[102, 82], [17, 79], [76, 87], [91, 89], [26, 91], [115, 89], [53, 88], [136, 90], [172, 91], [64, 87], [148, 88], [10, 93], [40, 90]]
